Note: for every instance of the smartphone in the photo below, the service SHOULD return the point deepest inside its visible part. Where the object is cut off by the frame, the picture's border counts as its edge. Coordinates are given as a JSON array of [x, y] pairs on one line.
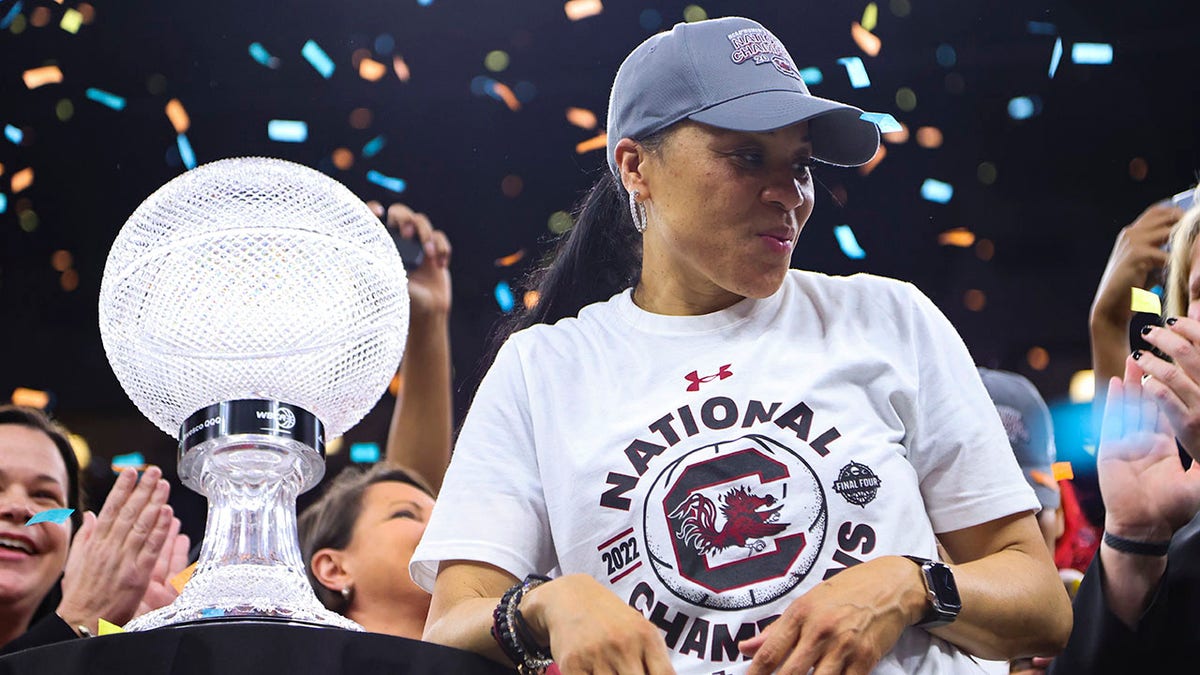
[[412, 254], [1185, 199]]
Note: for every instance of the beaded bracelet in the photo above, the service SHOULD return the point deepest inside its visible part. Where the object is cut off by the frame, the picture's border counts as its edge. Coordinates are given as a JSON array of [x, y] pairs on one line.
[[1148, 548], [513, 634]]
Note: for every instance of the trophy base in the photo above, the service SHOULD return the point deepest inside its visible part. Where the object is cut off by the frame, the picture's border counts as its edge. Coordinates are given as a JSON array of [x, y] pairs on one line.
[[244, 592]]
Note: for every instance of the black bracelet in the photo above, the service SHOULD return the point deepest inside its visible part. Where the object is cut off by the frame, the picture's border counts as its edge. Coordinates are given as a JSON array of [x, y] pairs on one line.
[[512, 633], [1147, 548]]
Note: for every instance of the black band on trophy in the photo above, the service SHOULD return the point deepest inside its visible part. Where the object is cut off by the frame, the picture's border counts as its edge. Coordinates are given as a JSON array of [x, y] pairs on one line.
[[252, 416]]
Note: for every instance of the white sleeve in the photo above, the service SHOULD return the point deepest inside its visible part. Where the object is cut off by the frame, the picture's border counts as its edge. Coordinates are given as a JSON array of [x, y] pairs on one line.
[[491, 507], [967, 470]]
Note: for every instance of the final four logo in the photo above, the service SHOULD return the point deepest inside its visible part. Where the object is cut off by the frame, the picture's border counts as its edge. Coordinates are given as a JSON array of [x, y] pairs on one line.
[[735, 524]]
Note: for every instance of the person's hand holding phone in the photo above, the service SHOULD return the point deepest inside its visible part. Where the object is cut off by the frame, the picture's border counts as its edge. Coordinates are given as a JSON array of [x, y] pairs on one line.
[[426, 253]]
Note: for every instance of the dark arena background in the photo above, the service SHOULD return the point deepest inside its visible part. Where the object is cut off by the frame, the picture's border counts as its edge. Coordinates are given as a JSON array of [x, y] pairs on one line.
[[1033, 131]]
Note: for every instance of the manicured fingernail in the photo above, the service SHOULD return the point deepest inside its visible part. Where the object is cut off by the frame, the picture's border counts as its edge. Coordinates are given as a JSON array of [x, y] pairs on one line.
[[1171, 321], [1146, 330], [1137, 354]]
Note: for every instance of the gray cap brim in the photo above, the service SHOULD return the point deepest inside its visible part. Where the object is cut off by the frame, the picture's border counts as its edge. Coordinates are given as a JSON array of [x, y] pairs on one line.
[[839, 134]]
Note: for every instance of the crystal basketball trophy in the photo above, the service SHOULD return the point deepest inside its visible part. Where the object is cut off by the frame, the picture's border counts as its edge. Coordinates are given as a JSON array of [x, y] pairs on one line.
[[251, 308]]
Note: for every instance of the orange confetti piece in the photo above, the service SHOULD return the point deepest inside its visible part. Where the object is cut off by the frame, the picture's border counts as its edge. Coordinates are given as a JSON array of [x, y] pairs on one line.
[[865, 39], [30, 398], [1044, 479], [959, 236], [371, 70], [929, 137], [401, 68], [592, 144], [582, 118], [22, 179], [531, 299], [897, 137], [582, 9], [396, 386], [510, 99], [36, 77], [874, 161], [178, 116], [1062, 471], [510, 259], [180, 580], [343, 158], [1, 169]]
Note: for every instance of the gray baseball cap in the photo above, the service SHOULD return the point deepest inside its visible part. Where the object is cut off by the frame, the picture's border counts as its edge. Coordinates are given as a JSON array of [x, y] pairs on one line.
[[1030, 429], [734, 74]]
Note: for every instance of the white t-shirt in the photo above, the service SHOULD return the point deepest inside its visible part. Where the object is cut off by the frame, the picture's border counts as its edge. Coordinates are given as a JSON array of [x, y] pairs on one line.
[[710, 469]]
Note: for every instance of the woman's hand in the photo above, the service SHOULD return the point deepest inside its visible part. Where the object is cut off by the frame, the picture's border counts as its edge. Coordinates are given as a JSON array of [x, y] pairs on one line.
[[172, 560], [845, 624], [428, 285], [1175, 386], [112, 557], [1136, 254], [591, 631]]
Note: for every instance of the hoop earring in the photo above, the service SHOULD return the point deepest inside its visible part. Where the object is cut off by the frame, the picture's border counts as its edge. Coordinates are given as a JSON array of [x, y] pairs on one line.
[[637, 211]]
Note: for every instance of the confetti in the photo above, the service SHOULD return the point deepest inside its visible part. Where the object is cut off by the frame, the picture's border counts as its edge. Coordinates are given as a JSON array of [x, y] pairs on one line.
[[287, 131], [22, 180], [510, 259], [1062, 471], [1055, 57], [1142, 300], [1022, 108], [13, 12], [867, 168], [865, 39], [3, 202], [582, 9], [385, 44], [343, 158], [884, 121], [582, 118], [856, 71], [36, 77], [394, 184], [105, 98], [371, 70], [71, 21], [30, 398], [906, 99], [108, 628], [259, 53], [364, 453], [531, 299], [318, 59], [1044, 479], [401, 68], [870, 16], [1092, 53], [212, 612], [848, 243], [594, 143], [133, 460], [178, 116], [936, 191], [959, 236], [1041, 28], [650, 19], [58, 516], [186, 155], [496, 61], [693, 13], [373, 146], [13, 134], [559, 222], [185, 575], [946, 56], [812, 76], [929, 137], [504, 296], [505, 94], [897, 137]]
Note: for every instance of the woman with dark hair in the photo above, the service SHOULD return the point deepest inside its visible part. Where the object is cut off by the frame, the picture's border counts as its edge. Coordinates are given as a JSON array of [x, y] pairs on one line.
[[107, 563], [729, 460]]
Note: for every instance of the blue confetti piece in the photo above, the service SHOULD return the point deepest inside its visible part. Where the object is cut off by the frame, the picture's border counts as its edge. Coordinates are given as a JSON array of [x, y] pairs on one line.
[[1024, 107], [886, 123], [1092, 53], [1041, 28], [848, 243], [650, 19], [937, 191], [186, 155], [259, 53], [212, 612], [482, 85], [424, 3], [812, 76], [13, 134], [856, 70], [133, 459], [318, 59], [373, 146], [287, 131], [105, 98], [394, 184], [12, 14], [504, 296], [50, 516], [1056, 56], [3, 202], [385, 44], [525, 91], [946, 56], [1157, 290], [364, 453]]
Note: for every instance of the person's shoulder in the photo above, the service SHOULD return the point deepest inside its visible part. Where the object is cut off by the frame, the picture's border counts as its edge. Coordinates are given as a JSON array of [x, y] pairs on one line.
[[567, 330], [861, 286]]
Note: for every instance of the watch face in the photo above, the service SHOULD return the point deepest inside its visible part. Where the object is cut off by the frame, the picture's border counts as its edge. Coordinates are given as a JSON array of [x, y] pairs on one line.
[[942, 583]]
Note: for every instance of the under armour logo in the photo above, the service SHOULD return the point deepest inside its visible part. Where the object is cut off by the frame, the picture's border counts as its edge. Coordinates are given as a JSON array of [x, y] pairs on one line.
[[695, 379]]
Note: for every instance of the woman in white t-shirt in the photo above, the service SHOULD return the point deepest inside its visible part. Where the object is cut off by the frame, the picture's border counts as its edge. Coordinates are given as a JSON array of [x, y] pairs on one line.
[[727, 465]]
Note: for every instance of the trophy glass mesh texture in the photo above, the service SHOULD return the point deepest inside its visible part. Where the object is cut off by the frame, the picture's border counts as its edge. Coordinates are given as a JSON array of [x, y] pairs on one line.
[[252, 308]]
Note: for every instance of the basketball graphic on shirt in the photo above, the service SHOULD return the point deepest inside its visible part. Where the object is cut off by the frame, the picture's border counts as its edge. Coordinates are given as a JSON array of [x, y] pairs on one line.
[[735, 524]]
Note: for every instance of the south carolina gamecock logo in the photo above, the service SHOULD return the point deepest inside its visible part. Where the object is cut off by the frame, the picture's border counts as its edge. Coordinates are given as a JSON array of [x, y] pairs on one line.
[[735, 524]]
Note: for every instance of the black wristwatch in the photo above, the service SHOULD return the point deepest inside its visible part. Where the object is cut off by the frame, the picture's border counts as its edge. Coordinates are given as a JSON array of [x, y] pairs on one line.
[[944, 602]]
